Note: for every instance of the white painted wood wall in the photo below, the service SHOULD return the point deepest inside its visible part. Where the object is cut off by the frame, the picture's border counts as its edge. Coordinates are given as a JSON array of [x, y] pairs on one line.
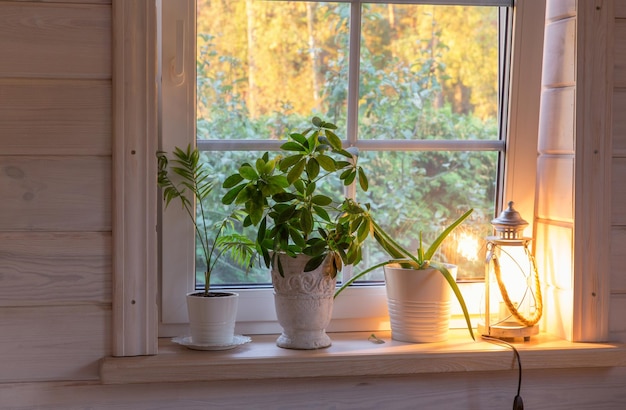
[[55, 187], [573, 209], [555, 163], [55, 237], [617, 322]]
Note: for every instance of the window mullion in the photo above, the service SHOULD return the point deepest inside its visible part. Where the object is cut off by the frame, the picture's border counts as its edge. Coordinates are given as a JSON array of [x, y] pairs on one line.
[[353, 72], [364, 145]]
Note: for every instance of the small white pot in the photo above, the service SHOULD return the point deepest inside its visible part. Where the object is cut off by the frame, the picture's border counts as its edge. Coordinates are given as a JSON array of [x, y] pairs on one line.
[[304, 303], [419, 303], [212, 318]]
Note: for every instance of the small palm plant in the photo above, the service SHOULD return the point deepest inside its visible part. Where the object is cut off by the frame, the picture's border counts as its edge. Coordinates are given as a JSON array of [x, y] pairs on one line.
[[189, 180]]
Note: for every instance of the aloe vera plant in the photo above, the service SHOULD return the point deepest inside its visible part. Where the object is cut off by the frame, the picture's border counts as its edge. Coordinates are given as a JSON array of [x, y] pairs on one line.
[[187, 179], [421, 259]]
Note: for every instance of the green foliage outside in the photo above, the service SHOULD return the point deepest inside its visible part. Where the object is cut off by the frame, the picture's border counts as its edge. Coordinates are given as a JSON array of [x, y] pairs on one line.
[[265, 68]]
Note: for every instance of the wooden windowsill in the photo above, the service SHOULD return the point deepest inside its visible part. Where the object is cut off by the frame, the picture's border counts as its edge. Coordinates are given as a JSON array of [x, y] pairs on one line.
[[353, 355]]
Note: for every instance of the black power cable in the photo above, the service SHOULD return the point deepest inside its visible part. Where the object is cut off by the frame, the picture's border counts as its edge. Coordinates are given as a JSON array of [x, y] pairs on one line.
[[518, 403]]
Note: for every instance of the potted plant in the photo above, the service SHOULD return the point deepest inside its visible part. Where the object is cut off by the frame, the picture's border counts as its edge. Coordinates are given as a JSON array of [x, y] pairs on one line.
[[211, 314], [418, 288], [303, 233]]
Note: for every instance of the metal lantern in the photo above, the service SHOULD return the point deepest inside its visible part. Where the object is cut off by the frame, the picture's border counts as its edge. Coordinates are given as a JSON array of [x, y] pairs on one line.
[[513, 304]]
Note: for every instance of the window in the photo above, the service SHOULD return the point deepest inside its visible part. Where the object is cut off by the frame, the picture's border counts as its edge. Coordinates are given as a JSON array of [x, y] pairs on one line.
[[420, 89]]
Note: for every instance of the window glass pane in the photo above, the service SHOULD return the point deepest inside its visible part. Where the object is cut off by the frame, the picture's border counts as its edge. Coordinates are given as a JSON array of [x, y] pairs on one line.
[[413, 192], [425, 67], [264, 68], [265, 65], [212, 211]]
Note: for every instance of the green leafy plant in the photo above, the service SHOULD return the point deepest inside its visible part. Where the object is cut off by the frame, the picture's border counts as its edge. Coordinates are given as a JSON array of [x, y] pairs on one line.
[[188, 180], [284, 198], [422, 259]]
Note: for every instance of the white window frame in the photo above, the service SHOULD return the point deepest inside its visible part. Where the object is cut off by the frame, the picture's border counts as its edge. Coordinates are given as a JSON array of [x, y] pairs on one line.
[[256, 311]]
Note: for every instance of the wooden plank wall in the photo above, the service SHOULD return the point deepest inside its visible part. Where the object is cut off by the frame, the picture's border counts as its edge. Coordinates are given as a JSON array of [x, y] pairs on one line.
[[555, 163], [565, 389], [55, 240], [618, 200], [55, 182]]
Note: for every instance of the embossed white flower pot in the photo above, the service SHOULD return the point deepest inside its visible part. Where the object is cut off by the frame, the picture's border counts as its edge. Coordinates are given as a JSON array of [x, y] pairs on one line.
[[419, 303], [212, 318], [304, 303]]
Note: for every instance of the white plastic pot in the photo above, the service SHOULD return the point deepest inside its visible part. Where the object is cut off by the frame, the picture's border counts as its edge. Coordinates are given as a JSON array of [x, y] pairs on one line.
[[418, 303]]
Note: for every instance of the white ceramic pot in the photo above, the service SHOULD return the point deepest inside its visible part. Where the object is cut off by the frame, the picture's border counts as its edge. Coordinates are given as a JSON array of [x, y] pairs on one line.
[[419, 303], [304, 303], [212, 318]]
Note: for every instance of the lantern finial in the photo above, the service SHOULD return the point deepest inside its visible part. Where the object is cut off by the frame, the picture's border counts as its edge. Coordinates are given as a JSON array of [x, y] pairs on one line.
[[509, 225]]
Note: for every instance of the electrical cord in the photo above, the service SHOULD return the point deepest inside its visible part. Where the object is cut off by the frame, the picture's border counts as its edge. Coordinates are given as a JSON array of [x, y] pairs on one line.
[[518, 403]]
